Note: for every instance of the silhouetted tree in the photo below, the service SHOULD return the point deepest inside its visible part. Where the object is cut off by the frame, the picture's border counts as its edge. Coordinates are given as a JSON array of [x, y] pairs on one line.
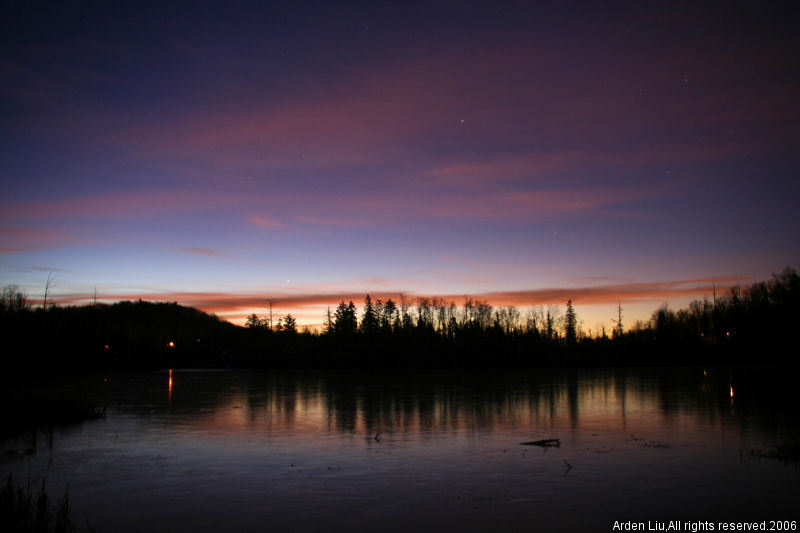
[[424, 314], [344, 319], [47, 286], [664, 323], [13, 300], [390, 319], [617, 332], [407, 322], [253, 322], [759, 319], [369, 319], [289, 324], [570, 325], [483, 315], [534, 320], [507, 318]]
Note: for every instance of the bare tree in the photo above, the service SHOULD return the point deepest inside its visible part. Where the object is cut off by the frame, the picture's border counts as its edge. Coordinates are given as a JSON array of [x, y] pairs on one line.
[[47, 286], [534, 320], [13, 300], [618, 322], [405, 315], [553, 321]]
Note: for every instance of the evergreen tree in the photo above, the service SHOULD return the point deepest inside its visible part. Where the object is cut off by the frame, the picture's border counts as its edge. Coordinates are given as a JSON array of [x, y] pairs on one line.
[[289, 324], [328, 321], [369, 319], [344, 319], [253, 322], [570, 324]]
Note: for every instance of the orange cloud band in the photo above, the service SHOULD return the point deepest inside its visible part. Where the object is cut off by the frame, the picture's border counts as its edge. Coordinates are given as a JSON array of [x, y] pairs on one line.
[[232, 303]]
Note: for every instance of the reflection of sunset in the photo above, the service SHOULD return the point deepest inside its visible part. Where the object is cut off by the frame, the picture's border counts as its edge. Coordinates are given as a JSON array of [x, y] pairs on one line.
[[234, 447], [604, 405]]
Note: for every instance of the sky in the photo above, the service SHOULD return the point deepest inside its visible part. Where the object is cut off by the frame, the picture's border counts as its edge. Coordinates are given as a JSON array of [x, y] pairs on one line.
[[226, 154]]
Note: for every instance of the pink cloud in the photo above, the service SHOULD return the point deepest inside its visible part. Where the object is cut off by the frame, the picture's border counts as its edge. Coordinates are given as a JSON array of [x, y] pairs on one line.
[[394, 110], [265, 222], [522, 135], [315, 209], [16, 240], [121, 204]]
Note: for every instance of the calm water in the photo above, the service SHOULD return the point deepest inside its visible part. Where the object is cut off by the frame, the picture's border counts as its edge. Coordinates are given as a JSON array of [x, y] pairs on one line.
[[243, 451]]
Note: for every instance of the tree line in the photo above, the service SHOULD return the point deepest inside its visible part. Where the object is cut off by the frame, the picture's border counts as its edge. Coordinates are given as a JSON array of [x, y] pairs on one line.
[[432, 315], [745, 324]]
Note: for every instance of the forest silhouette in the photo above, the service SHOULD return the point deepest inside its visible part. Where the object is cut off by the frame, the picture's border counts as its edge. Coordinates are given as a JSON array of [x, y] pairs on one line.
[[745, 325]]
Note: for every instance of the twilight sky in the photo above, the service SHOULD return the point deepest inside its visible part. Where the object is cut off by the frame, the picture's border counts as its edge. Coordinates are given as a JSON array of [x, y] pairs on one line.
[[304, 152]]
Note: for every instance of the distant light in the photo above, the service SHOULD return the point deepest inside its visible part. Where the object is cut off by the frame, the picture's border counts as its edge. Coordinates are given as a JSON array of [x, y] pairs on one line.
[[171, 344], [106, 346], [731, 391]]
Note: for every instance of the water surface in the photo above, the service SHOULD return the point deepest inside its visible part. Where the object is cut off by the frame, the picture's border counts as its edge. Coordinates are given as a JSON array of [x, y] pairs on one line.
[[252, 451]]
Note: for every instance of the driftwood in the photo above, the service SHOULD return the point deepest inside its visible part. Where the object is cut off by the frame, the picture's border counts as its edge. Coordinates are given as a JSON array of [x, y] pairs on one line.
[[544, 443]]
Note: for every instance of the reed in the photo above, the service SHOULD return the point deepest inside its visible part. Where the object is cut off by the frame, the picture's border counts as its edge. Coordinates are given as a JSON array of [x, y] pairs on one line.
[[26, 511]]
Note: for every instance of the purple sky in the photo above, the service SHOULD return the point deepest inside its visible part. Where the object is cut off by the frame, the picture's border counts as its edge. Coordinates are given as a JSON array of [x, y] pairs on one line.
[[223, 156]]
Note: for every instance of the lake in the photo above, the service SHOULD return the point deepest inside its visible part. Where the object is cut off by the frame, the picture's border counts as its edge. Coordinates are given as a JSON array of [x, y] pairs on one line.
[[255, 451]]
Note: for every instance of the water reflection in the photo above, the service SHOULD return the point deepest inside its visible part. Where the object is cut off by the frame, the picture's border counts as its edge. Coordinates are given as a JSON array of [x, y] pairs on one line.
[[431, 405], [390, 451]]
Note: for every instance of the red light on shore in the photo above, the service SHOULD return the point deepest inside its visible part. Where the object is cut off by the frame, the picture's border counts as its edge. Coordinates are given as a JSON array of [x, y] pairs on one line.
[[106, 347]]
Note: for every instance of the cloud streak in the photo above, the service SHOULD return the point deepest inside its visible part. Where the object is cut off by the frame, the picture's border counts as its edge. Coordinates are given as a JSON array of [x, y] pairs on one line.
[[200, 251], [356, 208], [18, 240], [238, 303]]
